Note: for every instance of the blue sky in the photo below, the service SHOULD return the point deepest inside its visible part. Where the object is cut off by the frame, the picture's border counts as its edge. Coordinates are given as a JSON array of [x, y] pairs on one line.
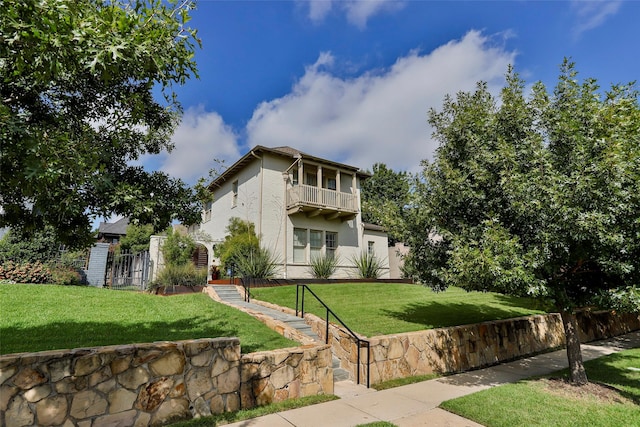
[[353, 81]]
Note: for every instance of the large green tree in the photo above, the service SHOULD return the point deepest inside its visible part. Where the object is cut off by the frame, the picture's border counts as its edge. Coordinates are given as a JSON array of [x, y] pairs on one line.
[[536, 196], [385, 197], [79, 82]]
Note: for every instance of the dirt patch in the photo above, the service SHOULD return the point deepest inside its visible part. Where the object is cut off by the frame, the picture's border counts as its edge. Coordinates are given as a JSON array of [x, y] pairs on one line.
[[592, 390]]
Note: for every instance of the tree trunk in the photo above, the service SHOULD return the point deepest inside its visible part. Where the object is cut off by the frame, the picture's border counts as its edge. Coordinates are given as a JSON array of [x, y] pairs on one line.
[[574, 352]]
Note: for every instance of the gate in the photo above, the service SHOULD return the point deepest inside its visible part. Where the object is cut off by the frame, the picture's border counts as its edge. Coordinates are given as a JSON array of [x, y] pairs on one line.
[[128, 271]]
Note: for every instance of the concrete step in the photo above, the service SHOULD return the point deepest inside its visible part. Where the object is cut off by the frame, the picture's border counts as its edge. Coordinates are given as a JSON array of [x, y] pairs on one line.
[[339, 374]]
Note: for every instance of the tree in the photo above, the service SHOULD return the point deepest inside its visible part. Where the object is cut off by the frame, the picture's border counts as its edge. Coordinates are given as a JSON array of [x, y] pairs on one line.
[[385, 196], [77, 109], [535, 196], [137, 238], [177, 248], [241, 241]]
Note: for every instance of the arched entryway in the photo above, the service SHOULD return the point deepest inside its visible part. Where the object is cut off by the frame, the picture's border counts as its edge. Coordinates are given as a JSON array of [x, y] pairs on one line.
[[200, 256]]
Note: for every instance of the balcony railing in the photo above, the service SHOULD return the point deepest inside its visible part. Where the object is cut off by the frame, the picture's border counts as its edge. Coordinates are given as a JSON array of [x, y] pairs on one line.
[[309, 196]]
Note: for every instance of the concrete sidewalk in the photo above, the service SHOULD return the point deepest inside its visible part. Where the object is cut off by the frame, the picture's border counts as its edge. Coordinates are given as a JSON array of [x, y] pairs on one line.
[[417, 404]]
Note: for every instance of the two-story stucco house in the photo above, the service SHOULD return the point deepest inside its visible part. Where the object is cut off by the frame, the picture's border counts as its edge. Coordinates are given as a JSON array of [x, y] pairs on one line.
[[302, 206]]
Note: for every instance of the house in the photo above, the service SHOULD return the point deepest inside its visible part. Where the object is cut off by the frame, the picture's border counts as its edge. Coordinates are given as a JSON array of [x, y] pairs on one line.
[[302, 206], [112, 232]]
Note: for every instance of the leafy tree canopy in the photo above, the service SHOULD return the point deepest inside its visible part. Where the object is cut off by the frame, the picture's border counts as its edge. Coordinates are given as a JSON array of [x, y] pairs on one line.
[[536, 196], [385, 197], [137, 238], [77, 79]]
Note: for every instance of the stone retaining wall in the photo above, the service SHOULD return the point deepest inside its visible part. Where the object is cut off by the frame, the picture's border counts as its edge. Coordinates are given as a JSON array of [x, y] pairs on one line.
[[461, 348], [152, 384]]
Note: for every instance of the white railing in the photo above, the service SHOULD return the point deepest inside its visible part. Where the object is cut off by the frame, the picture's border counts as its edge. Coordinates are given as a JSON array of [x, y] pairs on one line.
[[322, 198]]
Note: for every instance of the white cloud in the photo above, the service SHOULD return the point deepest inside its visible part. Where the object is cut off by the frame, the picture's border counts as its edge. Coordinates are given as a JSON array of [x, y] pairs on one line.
[[379, 116], [200, 138], [358, 12], [592, 14]]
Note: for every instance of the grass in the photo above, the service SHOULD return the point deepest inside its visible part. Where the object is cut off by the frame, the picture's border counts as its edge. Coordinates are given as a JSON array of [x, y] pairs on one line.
[[404, 381], [245, 414], [529, 403], [47, 317], [386, 308]]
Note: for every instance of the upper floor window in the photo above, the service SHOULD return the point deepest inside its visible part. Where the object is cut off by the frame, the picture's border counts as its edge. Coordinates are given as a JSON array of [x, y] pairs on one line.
[[370, 247], [311, 179], [331, 184], [234, 190], [207, 211]]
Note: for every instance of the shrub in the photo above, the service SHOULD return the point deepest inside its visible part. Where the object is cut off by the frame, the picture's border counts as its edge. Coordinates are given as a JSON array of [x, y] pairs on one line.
[[173, 275], [67, 276], [27, 272], [41, 246], [323, 266], [240, 241], [177, 248], [368, 265], [256, 263]]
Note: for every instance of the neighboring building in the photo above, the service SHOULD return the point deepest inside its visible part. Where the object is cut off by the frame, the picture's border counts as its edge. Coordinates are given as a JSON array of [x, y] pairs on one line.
[[301, 205], [112, 232]]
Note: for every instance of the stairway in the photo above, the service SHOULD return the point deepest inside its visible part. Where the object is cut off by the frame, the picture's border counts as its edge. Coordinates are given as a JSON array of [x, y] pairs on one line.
[[229, 294]]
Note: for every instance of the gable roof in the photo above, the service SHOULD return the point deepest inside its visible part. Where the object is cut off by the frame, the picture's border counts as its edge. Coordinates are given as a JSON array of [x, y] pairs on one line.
[[119, 227], [284, 151]]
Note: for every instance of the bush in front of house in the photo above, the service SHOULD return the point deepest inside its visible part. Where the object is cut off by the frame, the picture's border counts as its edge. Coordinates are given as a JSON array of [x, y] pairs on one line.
[[323, 266], [173, 275], [178, 269], [256, 263], [367, 265]]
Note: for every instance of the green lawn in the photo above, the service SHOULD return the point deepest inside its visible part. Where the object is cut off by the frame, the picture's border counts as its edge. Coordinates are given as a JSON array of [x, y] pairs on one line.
[[529, 403], [47, 317], [385, 308]]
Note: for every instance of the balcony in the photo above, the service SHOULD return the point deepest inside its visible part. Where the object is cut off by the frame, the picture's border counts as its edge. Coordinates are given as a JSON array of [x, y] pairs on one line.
[[314, 201]]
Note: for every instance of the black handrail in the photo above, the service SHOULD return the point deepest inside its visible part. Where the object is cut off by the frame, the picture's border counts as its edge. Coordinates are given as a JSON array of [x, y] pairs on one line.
[[247, 289], [359, 341]]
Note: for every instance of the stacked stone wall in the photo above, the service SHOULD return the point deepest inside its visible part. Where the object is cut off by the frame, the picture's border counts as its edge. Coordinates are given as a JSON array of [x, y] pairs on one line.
[[462, 348], [153, 384]]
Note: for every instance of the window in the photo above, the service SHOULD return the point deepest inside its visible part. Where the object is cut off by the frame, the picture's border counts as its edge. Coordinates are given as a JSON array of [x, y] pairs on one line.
[[207, 211], [331, 184], [311, 179], [294, 178], [299, 245], [370, 249], [234, 189], [331, 242], [315, 243]]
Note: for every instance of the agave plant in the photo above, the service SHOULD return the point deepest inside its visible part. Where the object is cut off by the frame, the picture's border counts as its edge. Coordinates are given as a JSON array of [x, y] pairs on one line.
[[323, 266], [256, 263], [368, 265]]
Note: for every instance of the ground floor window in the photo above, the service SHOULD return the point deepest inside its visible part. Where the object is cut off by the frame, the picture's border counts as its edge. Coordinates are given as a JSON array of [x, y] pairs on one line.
[[315, 243], [331, 243], [299, 244]]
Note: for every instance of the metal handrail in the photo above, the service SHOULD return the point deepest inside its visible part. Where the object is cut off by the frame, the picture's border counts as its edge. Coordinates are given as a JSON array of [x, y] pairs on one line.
[[359, 341], [246, 284]]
